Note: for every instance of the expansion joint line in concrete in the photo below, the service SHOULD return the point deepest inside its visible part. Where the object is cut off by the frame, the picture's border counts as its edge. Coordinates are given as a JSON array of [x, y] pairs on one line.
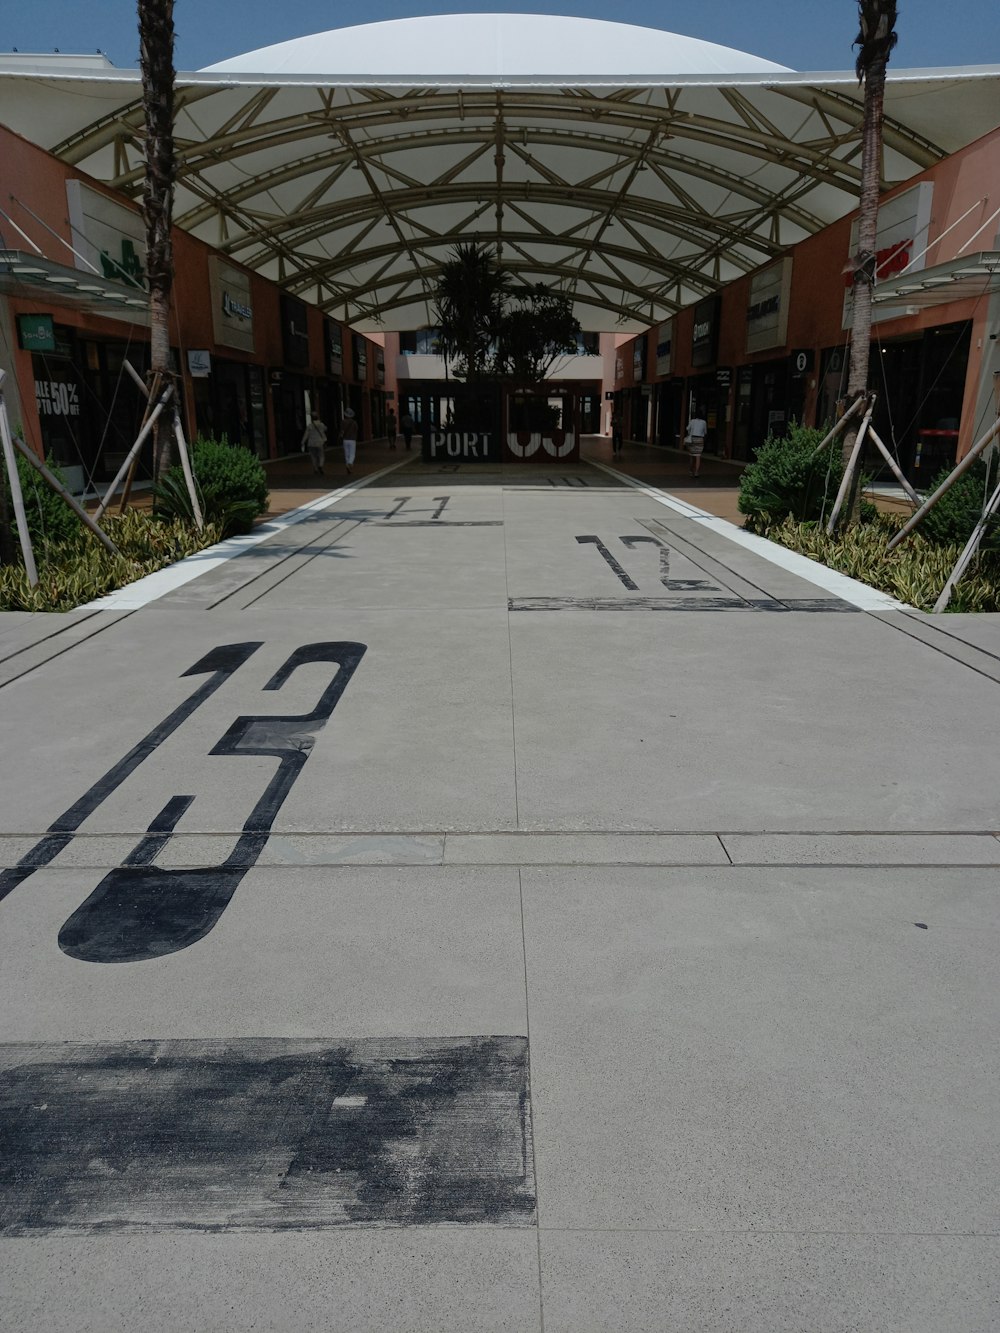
[[936, 648], [510, 659], [106, 623]]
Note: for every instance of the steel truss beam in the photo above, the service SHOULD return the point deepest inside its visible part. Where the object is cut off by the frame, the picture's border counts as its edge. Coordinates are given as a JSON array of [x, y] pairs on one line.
[[598, 217]]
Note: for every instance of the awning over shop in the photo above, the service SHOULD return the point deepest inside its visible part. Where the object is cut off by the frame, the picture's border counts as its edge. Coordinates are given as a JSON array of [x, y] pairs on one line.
[[636, 169], [31, 276], [967, 278]]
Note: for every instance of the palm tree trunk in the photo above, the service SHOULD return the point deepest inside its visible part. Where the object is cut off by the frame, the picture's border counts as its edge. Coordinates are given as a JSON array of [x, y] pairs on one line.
[[876, 40], [864, 276], [156, 47]]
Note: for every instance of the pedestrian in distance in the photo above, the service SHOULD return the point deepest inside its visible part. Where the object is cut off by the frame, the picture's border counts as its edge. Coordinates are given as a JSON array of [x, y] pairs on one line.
[[314, 440], [390, 428], [349, 437], [617, 434], [694, 440], [406, 426]]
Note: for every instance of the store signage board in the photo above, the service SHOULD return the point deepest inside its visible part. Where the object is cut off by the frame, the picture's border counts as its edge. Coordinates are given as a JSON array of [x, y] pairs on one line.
[[360, 357], [724, 377], [705, 337], [904, 225], [639, 359], [803, 361], [36, 333], [107, 236], [232, 305], [199, 364], [294, 331], [664, 347], [767, 308], [334, 348]]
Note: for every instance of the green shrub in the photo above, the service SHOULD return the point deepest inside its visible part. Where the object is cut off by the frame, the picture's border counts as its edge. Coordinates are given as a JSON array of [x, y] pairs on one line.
[[81, 569], [789, 479], [51, 522], [231, 482], [960, 509]]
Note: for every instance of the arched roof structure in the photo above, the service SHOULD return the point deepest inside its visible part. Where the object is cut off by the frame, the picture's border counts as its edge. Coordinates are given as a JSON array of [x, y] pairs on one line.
[[637, 169]]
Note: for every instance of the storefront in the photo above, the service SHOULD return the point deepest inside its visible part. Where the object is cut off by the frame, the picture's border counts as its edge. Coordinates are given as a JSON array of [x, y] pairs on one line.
[[229, 400], [921, 382], [89, 409], [229, 392]]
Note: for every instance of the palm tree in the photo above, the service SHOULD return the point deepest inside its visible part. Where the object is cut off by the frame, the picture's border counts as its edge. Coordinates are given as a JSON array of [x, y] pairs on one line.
[[471, 292], [156, 58], [538, 328], [875, 41]]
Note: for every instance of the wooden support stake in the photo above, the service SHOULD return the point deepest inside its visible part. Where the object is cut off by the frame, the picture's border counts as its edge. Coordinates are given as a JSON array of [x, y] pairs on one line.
[[849, 471], [852, 411], [971, 547], [914, 497], [960, 467], [24, 536], [133, 453], [29, 455], [182, 449], [145, 390]]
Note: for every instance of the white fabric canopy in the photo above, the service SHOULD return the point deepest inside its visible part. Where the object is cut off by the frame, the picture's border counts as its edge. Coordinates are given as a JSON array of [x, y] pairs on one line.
[[347, 165]]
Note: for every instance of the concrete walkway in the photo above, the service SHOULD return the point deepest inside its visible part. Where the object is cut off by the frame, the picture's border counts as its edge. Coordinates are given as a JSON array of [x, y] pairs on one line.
[[500, 901]]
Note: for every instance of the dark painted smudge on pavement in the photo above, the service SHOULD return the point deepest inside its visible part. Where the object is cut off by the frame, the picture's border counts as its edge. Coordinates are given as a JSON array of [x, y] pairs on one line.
[[265, 1134]]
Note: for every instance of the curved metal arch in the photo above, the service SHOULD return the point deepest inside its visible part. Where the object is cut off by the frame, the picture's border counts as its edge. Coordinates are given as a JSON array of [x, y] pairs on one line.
[[816, 162], [895, 135], [324, 221], [373, 130], [373, 153], [327, 270]]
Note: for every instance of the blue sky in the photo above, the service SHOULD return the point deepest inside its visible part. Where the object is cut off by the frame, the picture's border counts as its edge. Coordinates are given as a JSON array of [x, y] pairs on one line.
[[805, 34]]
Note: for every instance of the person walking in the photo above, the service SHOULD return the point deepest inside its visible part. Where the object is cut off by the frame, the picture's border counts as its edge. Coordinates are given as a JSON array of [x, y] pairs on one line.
[[349, 437], [406, 426], [390, 428], [314, 440], [617, 435], [695, 440]]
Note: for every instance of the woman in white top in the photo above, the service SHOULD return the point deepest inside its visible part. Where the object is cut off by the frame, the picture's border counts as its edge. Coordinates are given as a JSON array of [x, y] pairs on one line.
[[695, 440]]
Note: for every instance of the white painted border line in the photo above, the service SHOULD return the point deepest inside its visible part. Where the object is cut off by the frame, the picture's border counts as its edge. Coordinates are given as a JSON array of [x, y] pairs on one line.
[[149, 589], [843, 586]]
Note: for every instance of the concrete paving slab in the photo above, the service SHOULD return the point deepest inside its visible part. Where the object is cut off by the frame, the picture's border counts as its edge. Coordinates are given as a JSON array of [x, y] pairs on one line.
[[960, 645], [716, 1049], [656, 726], [752, 1283], [421, 739], [347, 952], [402, 1281], [872, 849], [766, 1050], [45, 638], [979, 631], [378, 566]]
